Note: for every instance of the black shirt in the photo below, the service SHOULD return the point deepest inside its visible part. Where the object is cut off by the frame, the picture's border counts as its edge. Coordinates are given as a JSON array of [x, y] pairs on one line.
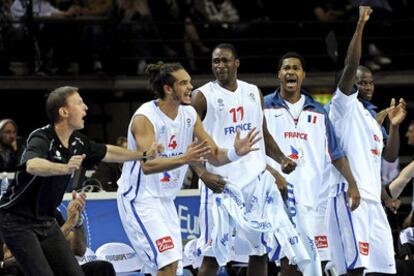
[[35, 196]]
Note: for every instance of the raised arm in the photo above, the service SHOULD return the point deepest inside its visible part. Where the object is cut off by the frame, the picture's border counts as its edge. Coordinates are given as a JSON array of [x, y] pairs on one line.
[[73, 229], [353, 55], [401, 181], [396, 114]]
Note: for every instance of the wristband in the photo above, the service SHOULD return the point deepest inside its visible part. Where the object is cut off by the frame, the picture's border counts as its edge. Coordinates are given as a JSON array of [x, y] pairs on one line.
[[232, 155], [144, 157]]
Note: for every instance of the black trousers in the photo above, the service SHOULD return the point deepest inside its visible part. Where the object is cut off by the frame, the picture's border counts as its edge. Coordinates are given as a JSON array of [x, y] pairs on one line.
[[38, 246]]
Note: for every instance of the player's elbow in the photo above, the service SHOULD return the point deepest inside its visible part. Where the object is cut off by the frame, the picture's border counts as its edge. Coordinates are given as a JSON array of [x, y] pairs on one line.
[[31, 166]]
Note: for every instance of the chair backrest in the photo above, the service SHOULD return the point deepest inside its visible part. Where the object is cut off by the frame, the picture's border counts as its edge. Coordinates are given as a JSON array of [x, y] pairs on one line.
[[88, 257], [120, 255]]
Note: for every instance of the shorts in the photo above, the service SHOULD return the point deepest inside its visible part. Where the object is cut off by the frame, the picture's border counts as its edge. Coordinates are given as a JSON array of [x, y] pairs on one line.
[[361, 238], [153, 229]]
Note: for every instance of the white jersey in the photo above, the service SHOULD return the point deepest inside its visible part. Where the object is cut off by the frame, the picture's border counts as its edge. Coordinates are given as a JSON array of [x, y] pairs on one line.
[[226, 112], [175, 135], [309, 140], [360, 136]]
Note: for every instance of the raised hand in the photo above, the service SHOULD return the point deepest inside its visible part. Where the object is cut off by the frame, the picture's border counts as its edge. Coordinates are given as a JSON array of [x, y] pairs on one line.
[[196, 152], [396, 114], [74, 163], [213, 181], [364, 13], [75, 208], [245, 145]]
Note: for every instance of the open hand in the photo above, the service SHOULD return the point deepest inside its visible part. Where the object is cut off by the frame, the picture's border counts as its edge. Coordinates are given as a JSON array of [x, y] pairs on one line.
[[245, 145], [396, 114], [75, 208], [196, 152]]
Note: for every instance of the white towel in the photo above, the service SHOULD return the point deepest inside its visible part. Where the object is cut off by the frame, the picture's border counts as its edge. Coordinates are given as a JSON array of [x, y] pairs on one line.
[[263, 214]]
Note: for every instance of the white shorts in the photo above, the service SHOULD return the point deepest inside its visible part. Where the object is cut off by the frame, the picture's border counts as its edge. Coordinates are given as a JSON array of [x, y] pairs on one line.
[[321, 233], [359, 239], [153, 229]]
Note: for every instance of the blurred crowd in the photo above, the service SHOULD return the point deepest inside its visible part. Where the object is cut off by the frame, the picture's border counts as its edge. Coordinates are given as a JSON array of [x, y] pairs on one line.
[[120, 37]]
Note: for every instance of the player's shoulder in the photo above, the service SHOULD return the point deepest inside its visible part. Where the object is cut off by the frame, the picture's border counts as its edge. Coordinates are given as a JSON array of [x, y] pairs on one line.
[[245, 84]]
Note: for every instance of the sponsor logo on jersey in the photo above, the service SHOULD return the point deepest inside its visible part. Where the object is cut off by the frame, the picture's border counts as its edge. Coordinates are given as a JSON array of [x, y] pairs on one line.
[[363, 248], [166, 177], [321, 241], [220, 103], [233, 129], [252, 97], [57, 156], [163, 130], [165, 243], [376, 138], [295, 135]]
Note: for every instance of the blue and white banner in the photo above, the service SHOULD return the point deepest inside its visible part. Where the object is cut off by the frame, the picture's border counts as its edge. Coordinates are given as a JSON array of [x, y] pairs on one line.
[[103, 225]]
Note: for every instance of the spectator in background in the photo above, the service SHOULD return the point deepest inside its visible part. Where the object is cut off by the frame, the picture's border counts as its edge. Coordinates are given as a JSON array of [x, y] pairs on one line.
[[410, 141], [134, 29], [51, 42], [218, 17], [93, 35], [11, 145], [176, 25], [108, 173], [331, 11], [9, 37]]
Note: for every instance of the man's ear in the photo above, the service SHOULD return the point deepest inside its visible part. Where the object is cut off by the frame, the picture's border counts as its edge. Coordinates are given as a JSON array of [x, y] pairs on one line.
[[237, 63], [167, 89], [63, 112]]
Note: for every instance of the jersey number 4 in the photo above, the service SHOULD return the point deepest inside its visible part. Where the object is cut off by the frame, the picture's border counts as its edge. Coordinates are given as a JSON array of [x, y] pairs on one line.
[[234, 112]]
